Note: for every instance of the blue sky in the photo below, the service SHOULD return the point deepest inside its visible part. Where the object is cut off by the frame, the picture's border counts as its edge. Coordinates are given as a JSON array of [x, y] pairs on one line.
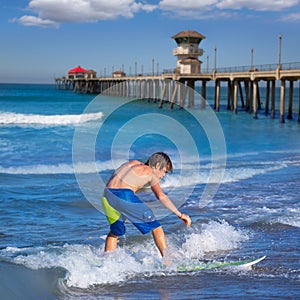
[[41, 39]]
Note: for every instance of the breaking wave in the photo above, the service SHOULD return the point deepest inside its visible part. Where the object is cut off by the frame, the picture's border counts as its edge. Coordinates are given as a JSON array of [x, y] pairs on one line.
[[25, 120]]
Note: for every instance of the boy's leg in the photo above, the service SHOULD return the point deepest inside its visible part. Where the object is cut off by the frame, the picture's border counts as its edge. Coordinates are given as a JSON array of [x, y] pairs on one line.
[[111, 242], [159, 239]]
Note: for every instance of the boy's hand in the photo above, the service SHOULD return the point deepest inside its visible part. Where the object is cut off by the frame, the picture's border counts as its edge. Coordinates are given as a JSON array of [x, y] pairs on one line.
[[186, 219]]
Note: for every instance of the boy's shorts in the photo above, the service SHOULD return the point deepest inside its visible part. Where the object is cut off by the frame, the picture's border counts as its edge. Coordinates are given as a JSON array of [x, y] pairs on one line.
[[122, 204]]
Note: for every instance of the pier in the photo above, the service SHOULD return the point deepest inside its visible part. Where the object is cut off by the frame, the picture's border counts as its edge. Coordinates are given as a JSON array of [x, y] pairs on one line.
[[177, 86]]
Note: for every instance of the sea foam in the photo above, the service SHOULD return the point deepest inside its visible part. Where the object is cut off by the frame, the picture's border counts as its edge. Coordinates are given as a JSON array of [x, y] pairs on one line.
[[190, 177], [17, 119], [212, 237], [88, 265]]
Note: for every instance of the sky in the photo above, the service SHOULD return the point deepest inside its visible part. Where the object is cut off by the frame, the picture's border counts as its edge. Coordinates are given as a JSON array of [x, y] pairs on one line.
[[43, 39]]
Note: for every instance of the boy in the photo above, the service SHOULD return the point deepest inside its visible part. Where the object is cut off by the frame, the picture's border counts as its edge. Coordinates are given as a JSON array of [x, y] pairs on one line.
[[120, 201]]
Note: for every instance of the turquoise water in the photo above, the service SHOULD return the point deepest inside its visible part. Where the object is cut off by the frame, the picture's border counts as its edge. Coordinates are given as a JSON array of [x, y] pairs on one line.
[[238, 178]]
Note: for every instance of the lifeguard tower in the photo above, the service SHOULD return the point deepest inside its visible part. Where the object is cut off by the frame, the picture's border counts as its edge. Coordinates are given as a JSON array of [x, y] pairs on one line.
[[188, 52]]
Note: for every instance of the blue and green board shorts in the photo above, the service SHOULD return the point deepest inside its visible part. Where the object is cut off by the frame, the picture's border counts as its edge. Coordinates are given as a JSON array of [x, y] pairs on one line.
[[122, 204]]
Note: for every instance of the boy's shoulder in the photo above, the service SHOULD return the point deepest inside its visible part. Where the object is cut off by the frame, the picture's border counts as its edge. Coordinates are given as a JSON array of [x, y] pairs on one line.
[[140, 168], [135, 162]]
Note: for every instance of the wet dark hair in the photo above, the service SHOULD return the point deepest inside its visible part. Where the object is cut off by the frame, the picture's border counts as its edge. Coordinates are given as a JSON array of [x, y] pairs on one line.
[[162, 159]]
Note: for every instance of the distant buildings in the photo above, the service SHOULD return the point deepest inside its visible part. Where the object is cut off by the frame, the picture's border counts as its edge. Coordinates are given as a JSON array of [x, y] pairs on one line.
[[187, 54]]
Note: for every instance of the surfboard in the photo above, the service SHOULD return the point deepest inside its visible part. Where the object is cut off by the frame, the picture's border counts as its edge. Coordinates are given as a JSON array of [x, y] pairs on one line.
[[238, 265]]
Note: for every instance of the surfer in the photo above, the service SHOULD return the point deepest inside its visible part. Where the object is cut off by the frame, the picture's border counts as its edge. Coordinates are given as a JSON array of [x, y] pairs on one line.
[[120, 201]]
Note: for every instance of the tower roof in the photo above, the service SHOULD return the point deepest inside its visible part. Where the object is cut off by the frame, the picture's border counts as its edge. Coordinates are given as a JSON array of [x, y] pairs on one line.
[[188, 33]]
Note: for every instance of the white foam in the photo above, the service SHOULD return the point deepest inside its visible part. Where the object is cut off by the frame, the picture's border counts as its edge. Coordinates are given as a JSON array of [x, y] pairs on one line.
[[232, 173], [238, 174], [87, 265], [83, 168], [190, 178], [17, 119], [212, 237]]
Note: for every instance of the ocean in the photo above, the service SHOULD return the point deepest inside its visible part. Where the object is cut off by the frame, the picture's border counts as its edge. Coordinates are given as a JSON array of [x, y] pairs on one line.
[[238, 178]]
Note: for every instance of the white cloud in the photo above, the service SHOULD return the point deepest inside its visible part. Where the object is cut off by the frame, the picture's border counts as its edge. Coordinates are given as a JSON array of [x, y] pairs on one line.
[[186, 4], [149, 7], [59, 11], [195, 9], [35, 21], [269, 5], [291, 17], [202, 9], [266, 5], [55, 12]]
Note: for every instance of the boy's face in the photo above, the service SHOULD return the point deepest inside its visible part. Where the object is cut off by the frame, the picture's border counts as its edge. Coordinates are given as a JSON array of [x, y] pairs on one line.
[[160, 172]]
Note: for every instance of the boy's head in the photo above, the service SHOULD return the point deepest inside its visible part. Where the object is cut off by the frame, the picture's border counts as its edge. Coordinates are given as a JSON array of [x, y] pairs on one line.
[[162, 159]]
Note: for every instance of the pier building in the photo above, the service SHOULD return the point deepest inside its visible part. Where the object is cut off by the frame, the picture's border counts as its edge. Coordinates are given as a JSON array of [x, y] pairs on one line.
[[176, 86], [188, 52]]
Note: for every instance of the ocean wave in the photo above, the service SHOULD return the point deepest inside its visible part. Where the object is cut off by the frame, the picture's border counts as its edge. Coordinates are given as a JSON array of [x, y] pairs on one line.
[[261, 153], [267, 217], [289, 216], [16, 119], [212, 237], [40, 169], [290, 221], [233, 173], [185, 176], [88, 265]]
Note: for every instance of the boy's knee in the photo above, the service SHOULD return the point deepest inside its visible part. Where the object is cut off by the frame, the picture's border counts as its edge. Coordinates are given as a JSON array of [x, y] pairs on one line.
[[110, 234]]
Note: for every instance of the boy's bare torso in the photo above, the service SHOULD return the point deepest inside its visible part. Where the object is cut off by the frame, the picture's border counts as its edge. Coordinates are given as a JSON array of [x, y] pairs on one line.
[[133, 175]]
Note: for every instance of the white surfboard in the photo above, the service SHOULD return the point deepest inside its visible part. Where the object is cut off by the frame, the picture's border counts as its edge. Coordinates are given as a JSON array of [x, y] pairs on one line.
[[239, 265], [248, 265]]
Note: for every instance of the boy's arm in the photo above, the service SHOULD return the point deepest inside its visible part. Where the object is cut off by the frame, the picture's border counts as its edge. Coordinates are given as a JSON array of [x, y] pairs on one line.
[[163, 198]]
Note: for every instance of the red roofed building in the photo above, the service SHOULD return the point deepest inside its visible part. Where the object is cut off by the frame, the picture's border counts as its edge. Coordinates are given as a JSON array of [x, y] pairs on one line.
[[77, 70], [78, 73]]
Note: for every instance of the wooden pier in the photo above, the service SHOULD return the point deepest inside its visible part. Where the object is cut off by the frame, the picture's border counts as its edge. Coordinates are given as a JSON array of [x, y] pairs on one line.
[[175, 88]]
